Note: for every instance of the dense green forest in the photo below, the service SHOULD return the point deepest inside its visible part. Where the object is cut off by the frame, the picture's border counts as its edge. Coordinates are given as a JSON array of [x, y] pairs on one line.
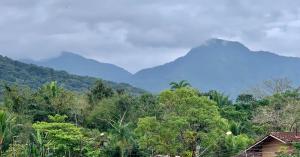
[[15, 72], [53, 121]]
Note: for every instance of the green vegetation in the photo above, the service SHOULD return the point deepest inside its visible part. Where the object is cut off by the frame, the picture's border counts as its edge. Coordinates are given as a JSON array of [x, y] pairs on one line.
[[15, 72], [180, 84], [285, 151], [54, 121]]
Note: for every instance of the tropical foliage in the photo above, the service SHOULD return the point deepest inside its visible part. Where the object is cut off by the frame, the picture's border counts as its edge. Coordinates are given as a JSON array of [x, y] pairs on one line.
[[53, 121]]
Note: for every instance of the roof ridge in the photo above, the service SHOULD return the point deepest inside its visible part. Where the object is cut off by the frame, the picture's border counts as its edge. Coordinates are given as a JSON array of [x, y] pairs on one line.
[[286, 136]]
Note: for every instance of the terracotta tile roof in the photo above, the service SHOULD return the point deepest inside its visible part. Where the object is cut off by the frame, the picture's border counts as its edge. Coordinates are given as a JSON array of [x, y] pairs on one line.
[[287, 136]]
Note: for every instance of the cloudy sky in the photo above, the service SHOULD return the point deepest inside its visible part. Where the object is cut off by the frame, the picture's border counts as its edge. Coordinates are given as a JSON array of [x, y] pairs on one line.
[[136, 34]]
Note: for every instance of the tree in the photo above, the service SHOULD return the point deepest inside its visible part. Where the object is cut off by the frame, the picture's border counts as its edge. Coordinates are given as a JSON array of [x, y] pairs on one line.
[[270, 87], [148, 131], [5, 128], [219, 98], [247, 103], [16, 99], [61, 138], [147, 105], [180, 84], [37, 147], [282, 112], [189, 121], [113, 109], [98, 92], [51, 99], [121, 135], [233, 144], [116, 115], [245, 99]]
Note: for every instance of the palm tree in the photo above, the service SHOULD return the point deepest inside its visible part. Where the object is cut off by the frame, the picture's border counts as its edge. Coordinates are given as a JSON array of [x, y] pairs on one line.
[[122, 136], [180, 84], [221, 99], [37, 147]]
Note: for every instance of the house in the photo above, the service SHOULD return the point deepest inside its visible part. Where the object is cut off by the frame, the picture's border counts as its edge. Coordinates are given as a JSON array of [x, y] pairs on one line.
[[270, 145]]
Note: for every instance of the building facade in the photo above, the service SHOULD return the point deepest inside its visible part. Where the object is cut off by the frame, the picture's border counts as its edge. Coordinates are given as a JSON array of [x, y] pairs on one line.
[[272, 144]]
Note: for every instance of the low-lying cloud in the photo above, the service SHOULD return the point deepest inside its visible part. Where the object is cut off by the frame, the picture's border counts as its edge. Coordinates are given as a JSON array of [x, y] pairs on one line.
[[136, 34]]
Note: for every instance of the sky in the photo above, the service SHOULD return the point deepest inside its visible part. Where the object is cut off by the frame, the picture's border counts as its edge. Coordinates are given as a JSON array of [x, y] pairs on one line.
[[136, 34]]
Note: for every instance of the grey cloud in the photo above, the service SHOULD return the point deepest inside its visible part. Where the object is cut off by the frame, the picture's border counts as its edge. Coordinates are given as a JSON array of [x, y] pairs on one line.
[[136, 34]]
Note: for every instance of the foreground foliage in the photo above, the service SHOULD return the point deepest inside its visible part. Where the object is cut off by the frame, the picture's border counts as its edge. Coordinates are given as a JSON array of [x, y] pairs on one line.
[[53, 121]]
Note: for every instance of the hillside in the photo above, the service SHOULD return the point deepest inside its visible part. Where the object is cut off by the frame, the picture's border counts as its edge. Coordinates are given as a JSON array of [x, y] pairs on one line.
[[76, 64], [218, 64], [12, 71], [223, 65]]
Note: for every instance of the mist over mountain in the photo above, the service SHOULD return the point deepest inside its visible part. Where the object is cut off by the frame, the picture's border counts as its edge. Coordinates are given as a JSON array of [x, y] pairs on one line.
[[79, 65], [222, 65]]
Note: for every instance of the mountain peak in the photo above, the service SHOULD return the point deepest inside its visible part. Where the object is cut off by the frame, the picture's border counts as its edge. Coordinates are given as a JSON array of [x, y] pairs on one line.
[[219, 46], [69, 54], [226, 66], [224, 44], [79, 65]]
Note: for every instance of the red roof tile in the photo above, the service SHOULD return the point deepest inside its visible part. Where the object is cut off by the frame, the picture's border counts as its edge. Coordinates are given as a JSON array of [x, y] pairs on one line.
[[287, 136]]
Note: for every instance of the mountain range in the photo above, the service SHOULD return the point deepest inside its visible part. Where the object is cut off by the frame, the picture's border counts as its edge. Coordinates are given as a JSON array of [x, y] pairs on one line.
[[16, 72], [76, 64], [227, 66]]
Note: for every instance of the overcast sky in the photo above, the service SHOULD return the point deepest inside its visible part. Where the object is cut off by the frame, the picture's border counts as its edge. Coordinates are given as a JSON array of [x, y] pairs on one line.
[[136, 34]]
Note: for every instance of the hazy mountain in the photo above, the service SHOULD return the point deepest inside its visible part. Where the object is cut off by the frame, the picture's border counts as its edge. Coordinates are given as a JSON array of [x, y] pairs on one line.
[[217, 64], [12, 72], [76, 64], [223, 65]]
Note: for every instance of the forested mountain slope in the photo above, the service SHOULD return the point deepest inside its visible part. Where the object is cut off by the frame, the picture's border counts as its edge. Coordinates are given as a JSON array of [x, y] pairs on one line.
[[12, 71]]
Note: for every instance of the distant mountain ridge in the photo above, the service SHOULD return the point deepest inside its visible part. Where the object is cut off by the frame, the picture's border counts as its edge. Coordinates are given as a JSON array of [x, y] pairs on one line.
[[227, 66], [222, 65], [15, 72], [76, 64]]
